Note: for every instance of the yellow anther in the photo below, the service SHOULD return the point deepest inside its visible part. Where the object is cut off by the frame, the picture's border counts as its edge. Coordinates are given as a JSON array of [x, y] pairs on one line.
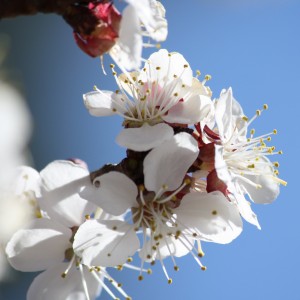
[[112, 66], [144, 69], [175, 76], [252, 166], [245, 118], [164, 186], [170, 281], [119, 284], [265, 106], [185, 66], [187, 181], [158, 46], [252, 131], [258, 112], [141, 187], [198, 73], [194, 234], [129, 259], [95, 88], [117, 91], [269, 138], [114, 73], [64, 275], [114, 228], [98, 269], [149, 271], [87, 217], [176, 268], [140, 278], [276, 164], [276, 172], [200, 253], [275, 131], [128, 298], [152, 263], [157, 68], [203, 268], [280, 152], [175, 94], [214, 212], [119, 267], [133, 78], [207, 77], [183, 85]]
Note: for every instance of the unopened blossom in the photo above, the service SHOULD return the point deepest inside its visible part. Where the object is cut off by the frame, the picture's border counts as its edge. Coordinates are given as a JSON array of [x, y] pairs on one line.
[[121, 35], [240, 162], [161, 96], [168, 217]]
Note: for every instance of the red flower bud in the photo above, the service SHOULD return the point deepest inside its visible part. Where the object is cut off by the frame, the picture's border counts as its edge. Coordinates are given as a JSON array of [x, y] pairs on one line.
[[104, 35]]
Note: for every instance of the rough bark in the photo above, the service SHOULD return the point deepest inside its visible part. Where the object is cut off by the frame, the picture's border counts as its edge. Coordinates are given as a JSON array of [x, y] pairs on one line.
[[75, 12]]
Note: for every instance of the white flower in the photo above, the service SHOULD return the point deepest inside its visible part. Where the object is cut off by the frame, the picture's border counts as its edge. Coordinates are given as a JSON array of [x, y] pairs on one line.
[[241, 162], [169, 221], [46, 243], [163, 93], [15, 128]]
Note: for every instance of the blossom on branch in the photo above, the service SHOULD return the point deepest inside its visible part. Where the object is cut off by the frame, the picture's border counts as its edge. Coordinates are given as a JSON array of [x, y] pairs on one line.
[[154, 100]]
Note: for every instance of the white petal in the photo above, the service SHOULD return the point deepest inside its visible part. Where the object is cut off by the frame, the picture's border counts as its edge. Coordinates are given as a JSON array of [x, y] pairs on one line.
[[62, 180], [50, 285], [152, 14], [105, 243], [268, 192], [115, 193], [190, 111], [39, 246], [99, 103], [162, 66], [27, 179], [128, 50], [211, 216], [144, 138], [245, 210], [228, 114], [168, 163]]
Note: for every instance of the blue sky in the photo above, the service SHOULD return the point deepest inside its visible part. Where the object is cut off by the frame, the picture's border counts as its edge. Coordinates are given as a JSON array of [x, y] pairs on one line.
[[252, 46]]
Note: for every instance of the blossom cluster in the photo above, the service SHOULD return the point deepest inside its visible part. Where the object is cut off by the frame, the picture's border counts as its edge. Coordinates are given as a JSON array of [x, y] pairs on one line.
[[192, 168]]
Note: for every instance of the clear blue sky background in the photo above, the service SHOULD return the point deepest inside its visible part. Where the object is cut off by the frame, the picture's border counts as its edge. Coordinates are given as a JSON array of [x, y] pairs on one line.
[[251, 45]]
